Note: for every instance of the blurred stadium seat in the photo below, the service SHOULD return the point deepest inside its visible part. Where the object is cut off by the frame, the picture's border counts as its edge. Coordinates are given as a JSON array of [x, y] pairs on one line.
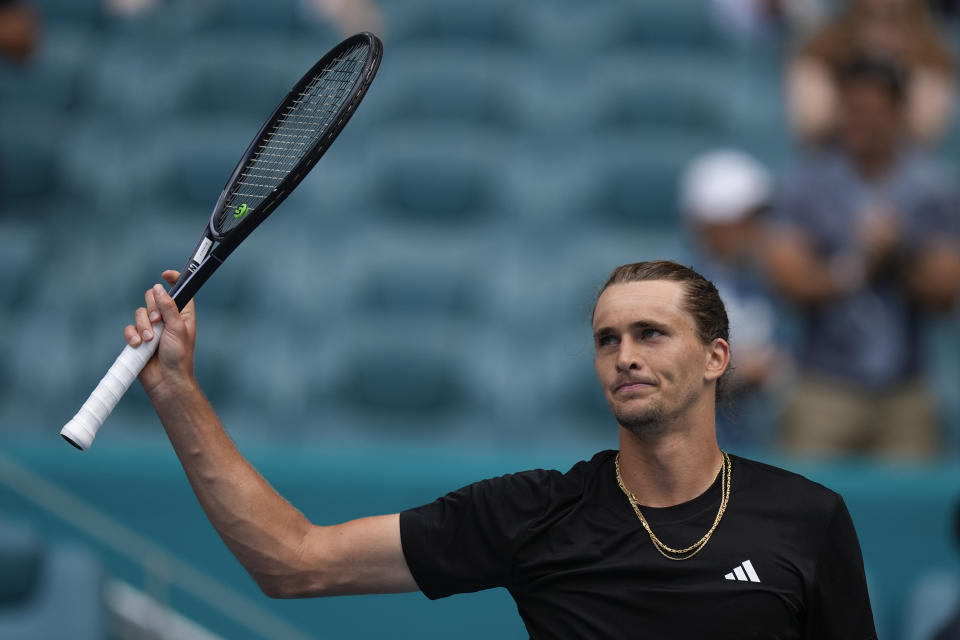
[[48, 590], [56, 77], [411, 375], [496, 24], [247, 75], [637, 24], [30, 143], [632, 179], [449, 85], [668, 91], [87, 14], [439, 175]]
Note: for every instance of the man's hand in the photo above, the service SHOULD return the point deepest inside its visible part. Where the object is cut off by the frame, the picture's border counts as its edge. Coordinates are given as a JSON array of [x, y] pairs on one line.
[[880, 236], [172, 366]]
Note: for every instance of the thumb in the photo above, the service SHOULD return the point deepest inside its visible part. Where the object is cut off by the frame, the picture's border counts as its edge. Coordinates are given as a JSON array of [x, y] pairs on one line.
[[187, 313], [168, 311]]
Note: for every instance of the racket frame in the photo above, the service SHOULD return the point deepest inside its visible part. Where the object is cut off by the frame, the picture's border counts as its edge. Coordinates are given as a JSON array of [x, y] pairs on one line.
[[207, 256]]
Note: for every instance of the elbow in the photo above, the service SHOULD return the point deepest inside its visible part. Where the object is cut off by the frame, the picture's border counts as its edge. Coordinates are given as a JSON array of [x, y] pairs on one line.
[[278, 590], [289, 586], [302, 573]]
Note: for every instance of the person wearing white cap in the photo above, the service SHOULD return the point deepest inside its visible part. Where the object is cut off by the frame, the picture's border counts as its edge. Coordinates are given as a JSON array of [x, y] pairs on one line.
[[724, 195]]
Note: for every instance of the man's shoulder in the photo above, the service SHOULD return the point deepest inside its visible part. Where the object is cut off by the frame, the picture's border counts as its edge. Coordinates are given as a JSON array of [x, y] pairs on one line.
[[578, 475], [784, 487], [575, 479]]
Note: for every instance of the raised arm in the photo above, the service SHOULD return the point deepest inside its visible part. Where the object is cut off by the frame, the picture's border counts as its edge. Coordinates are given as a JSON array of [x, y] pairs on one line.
[[285, 553]]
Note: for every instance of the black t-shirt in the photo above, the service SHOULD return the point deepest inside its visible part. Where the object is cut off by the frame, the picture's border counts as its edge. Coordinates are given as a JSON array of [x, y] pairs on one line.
[[784, 562]]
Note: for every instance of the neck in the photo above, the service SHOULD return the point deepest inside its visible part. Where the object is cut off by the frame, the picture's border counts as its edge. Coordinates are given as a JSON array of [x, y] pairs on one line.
[[671, 468]]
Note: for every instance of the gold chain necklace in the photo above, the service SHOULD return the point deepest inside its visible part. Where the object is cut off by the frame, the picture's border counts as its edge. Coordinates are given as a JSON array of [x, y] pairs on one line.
[[682, 554]]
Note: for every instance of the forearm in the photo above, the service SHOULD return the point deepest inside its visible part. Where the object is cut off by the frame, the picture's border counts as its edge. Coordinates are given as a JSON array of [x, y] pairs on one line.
[[262, 529], [803, 278]]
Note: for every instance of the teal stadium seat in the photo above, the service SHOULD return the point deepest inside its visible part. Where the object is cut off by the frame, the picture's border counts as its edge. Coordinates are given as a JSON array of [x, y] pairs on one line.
[[630, 181], [680, 92], [497, 24], [138, 80], [87, 14], [449, 176], [446, 85], [253, 18], [199, 156], [421, 273], [685, 25], [20, 253], [30, 143], [396, 375], [55, 78], [241, 73], [110, 166]]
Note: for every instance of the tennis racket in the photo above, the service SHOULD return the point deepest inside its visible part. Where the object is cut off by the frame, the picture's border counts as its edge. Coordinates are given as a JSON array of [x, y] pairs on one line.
[[288, 145]]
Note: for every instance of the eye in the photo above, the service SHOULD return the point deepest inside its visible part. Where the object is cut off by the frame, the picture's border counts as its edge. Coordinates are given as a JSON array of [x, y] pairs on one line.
[[606, 340], [648, 333]]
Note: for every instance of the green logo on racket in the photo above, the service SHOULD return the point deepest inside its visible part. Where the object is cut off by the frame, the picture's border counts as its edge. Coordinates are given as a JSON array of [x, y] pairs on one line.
[[240, 211]]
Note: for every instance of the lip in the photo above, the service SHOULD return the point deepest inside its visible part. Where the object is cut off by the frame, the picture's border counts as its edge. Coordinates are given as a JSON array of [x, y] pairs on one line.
[[633, 385]]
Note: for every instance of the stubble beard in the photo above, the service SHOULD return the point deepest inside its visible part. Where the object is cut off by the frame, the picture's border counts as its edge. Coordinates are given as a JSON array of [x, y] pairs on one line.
[[653, 420], [645, 423]]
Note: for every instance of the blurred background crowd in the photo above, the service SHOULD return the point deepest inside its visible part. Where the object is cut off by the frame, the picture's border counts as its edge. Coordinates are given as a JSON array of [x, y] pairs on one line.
[[419, 308]]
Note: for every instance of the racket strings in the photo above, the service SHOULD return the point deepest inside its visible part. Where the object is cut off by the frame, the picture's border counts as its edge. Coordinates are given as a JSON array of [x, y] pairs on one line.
[[293, 135]]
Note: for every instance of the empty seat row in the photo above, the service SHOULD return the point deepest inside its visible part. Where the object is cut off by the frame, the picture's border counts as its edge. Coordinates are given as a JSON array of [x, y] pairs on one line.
[[542, 24]]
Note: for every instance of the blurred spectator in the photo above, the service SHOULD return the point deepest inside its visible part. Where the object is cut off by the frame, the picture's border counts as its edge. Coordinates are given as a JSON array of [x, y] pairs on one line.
[[900, 29], [866, 239], [130, 8], [951, 630], [18, 29], [349, 16], [752, 18], [724, 197]]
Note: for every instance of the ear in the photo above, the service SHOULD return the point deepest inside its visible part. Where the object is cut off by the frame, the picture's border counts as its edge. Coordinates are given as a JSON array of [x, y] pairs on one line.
[[717, 359]]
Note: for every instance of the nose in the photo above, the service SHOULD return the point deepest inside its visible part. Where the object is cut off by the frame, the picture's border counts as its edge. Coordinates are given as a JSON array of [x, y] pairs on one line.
[[628, 357]]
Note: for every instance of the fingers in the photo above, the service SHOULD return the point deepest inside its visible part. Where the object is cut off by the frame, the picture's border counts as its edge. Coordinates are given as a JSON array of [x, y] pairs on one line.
[[187, 313], [141, 331], [144, 326], [160, 306], [166, 306], [131, 336]]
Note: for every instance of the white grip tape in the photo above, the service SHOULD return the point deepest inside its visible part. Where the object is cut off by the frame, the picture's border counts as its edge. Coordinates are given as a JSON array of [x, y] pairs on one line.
[[82, 429]]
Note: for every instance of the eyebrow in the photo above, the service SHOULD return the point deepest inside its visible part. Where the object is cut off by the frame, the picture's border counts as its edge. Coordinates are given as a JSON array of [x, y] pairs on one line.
[[639, 324]]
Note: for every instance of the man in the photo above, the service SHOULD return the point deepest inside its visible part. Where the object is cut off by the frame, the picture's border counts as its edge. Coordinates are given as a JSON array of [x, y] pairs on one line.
[[867, 239], [669, 538], [725, 196]]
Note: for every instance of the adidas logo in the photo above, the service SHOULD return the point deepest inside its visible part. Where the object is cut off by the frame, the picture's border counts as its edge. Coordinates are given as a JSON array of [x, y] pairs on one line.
[[743, 573]]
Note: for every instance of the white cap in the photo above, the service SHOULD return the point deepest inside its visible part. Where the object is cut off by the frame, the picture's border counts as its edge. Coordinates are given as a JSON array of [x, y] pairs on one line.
[[724, 186]]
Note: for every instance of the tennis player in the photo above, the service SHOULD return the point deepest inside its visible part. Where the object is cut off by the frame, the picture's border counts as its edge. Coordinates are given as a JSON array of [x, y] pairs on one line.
[[667, 538]]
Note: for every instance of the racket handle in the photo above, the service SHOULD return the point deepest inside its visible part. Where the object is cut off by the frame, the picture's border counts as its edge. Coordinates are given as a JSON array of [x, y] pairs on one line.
[[82, 429]]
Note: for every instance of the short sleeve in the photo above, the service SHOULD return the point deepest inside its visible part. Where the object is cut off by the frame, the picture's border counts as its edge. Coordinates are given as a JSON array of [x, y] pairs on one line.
[[839, 605], [466, 541]]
